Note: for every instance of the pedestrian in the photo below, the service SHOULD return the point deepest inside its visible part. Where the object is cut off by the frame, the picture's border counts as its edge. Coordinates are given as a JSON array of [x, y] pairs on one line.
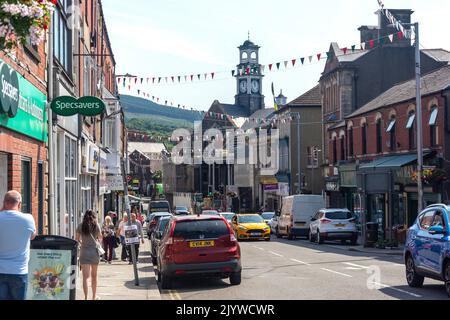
[[109, 239], [90, 236], [121, 233], [137, 223], [16, 231]]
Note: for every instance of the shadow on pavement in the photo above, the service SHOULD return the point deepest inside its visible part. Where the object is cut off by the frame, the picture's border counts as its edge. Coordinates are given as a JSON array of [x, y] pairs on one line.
[[428, 292]]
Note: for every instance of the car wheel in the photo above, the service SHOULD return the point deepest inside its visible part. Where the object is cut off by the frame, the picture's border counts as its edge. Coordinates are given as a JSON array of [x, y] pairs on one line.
[[447, 278], [166, 282], [343, 242], [354, 241], [277, 233], [319, 239], [236, 278], [414, 280], [267, 239], [311, 237]]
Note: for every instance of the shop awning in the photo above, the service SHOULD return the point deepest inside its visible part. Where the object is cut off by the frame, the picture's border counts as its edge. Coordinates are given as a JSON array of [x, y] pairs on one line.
[[268, 180], [282, 178], [391, 162]]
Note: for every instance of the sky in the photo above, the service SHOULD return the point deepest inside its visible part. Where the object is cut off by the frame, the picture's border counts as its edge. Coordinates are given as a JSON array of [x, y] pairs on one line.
[[153, 38]]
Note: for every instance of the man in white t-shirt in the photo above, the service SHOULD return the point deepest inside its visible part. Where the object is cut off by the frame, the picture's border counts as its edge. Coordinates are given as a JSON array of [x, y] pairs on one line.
[[16, 231]]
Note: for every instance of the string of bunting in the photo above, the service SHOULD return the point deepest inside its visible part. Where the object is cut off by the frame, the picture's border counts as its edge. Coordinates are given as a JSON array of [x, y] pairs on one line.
[[130, 81]]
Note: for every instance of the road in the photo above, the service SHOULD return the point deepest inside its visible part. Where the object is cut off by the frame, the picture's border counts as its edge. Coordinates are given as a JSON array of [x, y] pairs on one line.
[[300, 270]]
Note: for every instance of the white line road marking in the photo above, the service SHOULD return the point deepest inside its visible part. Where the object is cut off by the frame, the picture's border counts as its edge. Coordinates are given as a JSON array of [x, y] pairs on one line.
[[339, 273], [356, 266], [276, 254], [353, 269], [399, 290], [262, 249], [301, 262]]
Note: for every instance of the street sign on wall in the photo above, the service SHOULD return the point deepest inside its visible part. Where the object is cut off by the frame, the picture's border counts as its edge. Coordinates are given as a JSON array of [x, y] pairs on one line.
[[67, 106]]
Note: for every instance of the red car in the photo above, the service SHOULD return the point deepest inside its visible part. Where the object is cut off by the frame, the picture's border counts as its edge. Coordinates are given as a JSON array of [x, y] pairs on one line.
[[198, 246]]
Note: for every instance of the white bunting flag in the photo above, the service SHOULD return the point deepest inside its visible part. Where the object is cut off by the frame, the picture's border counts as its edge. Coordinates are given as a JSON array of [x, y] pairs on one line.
[[363, 46], [286, 64], [263, 67], [391, 37], [310, 58]]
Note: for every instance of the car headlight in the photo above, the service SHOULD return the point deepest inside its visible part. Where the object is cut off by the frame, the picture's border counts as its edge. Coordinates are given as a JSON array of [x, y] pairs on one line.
[[266, 229], [242, 228]]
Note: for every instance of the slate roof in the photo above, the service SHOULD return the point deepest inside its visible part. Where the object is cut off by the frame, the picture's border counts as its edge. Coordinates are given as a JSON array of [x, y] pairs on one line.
[[432, 82], [146, 147], [262, 114], [230, 109], [438, 54], [311, 98]]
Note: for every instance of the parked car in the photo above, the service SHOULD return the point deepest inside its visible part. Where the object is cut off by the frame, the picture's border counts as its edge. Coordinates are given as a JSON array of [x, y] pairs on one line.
[[181, 208], [273, 224], [210, 212], [152, 224], [181, 213], [296, 214], [333, 224], [250, 226], [267, 216], [157, 236], [159, 206], [198, 245], [427, 248], [228, 216]]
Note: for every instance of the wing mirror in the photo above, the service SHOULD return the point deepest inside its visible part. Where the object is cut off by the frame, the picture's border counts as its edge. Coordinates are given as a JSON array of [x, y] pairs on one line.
[[436, 230]]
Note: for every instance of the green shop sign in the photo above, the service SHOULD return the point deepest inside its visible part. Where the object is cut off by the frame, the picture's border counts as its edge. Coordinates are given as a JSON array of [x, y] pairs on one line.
[[22, 105], [67, 106]]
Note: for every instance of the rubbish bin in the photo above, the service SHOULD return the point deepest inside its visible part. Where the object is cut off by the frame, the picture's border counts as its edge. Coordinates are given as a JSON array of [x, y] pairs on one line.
[[371, 234], [52, 268]]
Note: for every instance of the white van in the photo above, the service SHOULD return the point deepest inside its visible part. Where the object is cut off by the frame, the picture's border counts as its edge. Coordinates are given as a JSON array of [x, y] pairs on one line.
[[296, 213]]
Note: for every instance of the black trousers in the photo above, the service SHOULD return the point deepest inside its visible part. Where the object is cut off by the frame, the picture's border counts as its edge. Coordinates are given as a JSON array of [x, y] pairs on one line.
[[130, 257]]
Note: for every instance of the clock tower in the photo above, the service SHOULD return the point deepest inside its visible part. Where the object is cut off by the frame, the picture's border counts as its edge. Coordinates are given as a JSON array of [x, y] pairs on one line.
[[249, 78]]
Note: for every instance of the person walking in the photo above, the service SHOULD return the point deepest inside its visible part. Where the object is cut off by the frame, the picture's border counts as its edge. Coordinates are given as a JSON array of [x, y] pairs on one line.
[[138, 224], [89, 234], [121, 232], [16, 231], [109, 239]]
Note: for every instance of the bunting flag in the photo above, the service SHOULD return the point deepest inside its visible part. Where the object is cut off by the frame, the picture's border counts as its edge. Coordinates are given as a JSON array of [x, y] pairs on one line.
[[153, 80], [345, 50], [363, 46], [310, 58], [263, 67], [206, 75], [179, 78], [286, 64], [173, 79], [247, 71], [135, 80], [118, 80], [400, 35], [270, 67], [159, 80], [293, 62], [302, 60], [167, 79], [192, 77], [232, 73], [198, 76], [142, 80], [372, 43], [212, 75], [278, 65], [319, 56], [353, 48]]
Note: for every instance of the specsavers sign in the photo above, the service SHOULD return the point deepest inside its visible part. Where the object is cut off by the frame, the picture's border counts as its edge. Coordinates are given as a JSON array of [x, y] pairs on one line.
[[22, 105], [67, 106]]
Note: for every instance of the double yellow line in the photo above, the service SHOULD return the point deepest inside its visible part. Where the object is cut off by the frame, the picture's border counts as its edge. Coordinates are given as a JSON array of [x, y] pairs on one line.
[[174, 295]]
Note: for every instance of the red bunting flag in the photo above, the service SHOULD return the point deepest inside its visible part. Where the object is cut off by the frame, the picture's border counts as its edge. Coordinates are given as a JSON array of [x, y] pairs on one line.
[[293, 62], [372, 43], [270, 67], [119, 79], [400, 35], [345, 50], [212, 75], [319, 55]]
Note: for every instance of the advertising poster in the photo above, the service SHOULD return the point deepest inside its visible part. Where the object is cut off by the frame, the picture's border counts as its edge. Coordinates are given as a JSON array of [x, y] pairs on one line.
[[131, 235], [49, 275]]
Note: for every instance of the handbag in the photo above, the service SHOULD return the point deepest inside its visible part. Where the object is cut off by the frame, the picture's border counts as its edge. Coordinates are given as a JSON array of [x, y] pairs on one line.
[[98, 246]]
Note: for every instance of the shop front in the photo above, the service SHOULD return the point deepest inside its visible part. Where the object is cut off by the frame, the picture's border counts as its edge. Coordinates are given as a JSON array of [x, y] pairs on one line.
[[270, 190], [23, 134]]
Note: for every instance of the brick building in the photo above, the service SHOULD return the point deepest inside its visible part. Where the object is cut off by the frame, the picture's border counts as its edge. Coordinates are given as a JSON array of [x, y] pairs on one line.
[[23, 129], [374, 152]]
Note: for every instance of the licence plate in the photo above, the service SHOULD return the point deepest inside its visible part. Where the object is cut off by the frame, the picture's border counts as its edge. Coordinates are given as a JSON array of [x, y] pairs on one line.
[[301, 224], [201, 244], [256, 234], [341, 225]]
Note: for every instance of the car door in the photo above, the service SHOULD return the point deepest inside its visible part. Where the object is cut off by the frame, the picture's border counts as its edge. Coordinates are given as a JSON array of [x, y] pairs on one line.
[[437, 243], [314, 224], [422, 241]]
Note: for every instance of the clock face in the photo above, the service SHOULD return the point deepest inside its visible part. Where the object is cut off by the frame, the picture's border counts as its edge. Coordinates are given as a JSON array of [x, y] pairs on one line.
[[243, 86], [255, 86]]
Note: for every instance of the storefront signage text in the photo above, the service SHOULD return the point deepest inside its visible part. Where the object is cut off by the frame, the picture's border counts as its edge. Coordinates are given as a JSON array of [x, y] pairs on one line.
[[67, 106]]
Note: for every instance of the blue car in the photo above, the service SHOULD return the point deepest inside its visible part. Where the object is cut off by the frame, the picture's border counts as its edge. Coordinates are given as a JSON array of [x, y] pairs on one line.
[[427, 249]]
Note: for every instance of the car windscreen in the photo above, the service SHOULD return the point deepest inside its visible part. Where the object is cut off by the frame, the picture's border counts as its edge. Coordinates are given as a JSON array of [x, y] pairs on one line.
[[159, 207], [339, 215], [228, 216], [200, 229], [267, 216], [250, 219]]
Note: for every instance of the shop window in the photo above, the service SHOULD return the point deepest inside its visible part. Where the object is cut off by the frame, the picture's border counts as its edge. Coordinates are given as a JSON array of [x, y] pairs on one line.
[[67, 218], [411, 127], [334, 151], [63, 36], [433, 127], [379, 136], [26, 184], [392, 132], [342, 148]]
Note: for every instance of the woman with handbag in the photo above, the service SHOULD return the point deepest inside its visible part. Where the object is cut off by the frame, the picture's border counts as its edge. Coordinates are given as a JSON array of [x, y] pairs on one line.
[[109, 239], [89, 235]]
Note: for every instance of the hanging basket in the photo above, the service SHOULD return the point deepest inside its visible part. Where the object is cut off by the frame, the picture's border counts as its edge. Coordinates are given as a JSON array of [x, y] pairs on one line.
[[24, 19]]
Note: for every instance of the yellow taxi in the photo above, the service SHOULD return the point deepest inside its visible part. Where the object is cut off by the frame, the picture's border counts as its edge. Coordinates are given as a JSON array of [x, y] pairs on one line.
[[250, 226]]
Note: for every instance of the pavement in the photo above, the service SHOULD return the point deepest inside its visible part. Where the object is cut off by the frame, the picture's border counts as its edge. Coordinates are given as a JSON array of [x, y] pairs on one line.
[[116, 280]]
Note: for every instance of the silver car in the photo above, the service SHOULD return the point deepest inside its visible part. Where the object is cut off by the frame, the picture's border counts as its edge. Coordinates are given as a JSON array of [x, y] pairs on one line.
[[333, 224]]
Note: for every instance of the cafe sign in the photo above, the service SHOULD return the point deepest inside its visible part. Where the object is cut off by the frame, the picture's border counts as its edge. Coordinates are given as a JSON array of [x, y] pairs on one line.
[[22, 105], [67, 106]]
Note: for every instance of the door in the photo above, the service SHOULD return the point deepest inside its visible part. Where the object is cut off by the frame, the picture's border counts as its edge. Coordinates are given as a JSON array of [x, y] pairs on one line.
[[423, 241], [437, 243], [315, 223]]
